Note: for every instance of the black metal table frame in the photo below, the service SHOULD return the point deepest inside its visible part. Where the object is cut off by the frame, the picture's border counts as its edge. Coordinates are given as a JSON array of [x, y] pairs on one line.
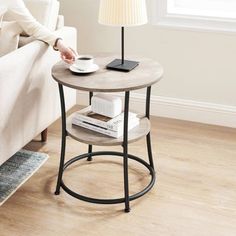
[[127, 198]]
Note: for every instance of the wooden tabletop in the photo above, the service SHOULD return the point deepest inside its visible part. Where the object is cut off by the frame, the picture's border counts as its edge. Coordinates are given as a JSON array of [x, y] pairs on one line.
[[146, 74]]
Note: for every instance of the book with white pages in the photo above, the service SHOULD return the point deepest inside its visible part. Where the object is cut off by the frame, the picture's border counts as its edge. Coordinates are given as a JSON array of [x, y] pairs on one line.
[[87, 115], [111, 133]]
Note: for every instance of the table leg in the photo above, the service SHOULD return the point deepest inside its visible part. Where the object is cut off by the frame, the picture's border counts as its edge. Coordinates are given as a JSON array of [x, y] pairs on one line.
[[90, 147], [125, 151], [63, 139], [148, 137]]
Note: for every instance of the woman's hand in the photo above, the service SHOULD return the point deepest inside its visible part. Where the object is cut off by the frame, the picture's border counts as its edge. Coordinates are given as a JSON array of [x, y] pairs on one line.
[[67, 54]]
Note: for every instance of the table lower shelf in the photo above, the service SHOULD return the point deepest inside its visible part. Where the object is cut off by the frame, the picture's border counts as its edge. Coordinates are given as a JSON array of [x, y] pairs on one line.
[[91, 137]]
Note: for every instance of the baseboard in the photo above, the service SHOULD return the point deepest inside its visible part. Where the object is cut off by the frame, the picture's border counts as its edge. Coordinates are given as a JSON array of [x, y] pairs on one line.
[[208, 113]]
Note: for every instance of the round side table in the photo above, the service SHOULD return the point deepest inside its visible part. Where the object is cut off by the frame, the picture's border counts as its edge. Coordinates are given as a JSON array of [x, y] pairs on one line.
[[145, 75]]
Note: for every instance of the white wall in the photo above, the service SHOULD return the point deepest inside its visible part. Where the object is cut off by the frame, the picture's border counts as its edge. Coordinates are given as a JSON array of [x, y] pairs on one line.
[[200, 68]]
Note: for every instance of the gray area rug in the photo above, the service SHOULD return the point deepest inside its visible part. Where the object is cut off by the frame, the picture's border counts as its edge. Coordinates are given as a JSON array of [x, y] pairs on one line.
[[17, 170]]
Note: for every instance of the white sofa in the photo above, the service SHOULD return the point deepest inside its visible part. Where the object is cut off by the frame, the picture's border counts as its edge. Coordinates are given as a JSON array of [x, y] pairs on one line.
[[29, 99]]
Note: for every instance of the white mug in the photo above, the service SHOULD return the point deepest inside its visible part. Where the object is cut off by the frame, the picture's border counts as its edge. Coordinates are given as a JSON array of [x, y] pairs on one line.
[[84, 62]]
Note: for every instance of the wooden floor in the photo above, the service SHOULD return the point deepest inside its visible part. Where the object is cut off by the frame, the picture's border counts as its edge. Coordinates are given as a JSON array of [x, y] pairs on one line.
[[195, 193]]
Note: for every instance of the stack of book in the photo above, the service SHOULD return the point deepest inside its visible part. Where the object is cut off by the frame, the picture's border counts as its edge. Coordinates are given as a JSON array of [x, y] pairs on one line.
[[112, 127]]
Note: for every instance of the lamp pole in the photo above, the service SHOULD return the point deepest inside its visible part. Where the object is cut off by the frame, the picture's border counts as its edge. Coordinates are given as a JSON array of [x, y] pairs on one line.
[[122, 64], [122, 44]]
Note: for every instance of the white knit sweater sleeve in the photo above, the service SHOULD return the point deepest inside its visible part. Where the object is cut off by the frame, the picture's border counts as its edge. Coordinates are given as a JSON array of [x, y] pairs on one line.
[[18, 12]]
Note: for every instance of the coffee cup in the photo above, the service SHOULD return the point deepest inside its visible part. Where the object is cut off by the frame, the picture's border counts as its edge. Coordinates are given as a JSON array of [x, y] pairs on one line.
[[84, 62]]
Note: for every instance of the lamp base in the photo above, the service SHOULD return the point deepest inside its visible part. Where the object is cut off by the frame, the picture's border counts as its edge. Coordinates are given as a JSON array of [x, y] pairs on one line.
[[125, 67]]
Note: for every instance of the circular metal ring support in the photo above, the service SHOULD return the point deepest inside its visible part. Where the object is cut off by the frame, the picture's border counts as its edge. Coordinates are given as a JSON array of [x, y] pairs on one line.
[[109, 201]]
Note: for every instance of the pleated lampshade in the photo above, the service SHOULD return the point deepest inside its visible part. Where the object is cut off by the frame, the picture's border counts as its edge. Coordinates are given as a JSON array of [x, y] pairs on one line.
[[123, 12]]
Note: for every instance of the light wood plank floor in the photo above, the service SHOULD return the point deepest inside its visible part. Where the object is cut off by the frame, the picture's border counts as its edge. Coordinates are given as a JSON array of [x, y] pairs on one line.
[[195, 193]]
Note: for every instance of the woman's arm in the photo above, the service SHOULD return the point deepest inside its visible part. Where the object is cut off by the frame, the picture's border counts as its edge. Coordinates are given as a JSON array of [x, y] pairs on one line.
[[19, 12]]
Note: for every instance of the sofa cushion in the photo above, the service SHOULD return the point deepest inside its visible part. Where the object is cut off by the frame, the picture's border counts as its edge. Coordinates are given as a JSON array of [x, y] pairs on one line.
[[9, 34], [45, 11]]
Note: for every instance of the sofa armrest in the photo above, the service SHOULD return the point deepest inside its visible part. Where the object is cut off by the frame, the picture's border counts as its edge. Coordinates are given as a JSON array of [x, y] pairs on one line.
[[29, 99], [16, 68]]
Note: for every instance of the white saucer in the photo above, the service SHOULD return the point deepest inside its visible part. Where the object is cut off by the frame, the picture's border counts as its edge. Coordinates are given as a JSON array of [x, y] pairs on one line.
[[93, 68]]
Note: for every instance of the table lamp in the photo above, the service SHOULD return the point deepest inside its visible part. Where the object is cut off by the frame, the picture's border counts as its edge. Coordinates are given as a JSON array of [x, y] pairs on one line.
[[122, 13]]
